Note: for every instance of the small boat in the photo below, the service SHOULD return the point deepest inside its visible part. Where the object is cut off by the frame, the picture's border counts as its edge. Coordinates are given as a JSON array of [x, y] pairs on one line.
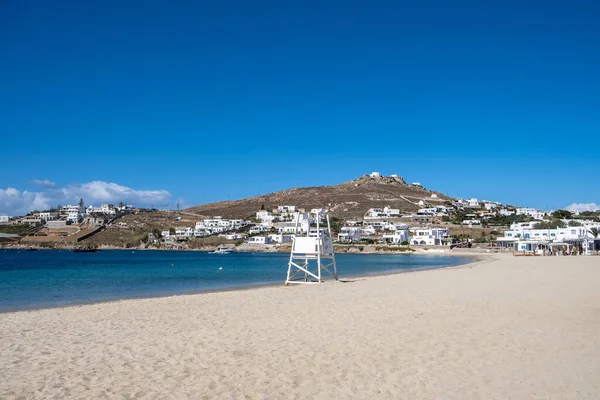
[[222, 250]]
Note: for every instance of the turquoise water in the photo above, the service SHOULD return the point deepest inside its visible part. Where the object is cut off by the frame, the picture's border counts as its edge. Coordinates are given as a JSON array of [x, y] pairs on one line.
[[39, 279]]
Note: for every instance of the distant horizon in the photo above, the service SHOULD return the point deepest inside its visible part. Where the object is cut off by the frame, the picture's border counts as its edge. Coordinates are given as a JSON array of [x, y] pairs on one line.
[[203, 102]]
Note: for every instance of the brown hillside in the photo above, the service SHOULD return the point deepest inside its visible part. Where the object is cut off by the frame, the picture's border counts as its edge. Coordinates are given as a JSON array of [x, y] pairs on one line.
[[347, 200]]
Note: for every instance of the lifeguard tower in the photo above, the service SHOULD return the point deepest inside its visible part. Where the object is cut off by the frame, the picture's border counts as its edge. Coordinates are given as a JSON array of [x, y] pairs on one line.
[[312, 250]]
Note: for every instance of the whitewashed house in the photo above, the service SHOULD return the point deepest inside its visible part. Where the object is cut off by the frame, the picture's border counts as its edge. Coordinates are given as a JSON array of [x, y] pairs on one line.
[[184, 232], [259, 240], [531, 212], [490, 206], [265, 216], [473, 203], [107, 209], [526, 239], [460, 204], [74, 214], [398, 237], [349, 234], [46, 216], [4, 218], [287, 209], [258, 229], [427, 211], [430, 236], [280, 238], [367, 231], [385, 212]]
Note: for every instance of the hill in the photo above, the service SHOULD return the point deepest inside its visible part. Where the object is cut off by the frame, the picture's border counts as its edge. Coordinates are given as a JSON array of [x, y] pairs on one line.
[[347, 200]]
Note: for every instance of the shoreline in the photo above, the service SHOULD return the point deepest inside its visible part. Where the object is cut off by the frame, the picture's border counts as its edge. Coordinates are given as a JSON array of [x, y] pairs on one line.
[[411, 250], [475, 259], [497, 327]]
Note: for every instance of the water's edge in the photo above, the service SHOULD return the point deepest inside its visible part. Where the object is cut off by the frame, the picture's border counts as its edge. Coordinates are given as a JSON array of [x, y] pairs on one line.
[[467, 261]]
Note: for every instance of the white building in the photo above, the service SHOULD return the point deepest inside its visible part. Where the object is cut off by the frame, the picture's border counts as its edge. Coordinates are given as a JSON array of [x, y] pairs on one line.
[[265, 216], [427, 211], [460, 203], [258, 229], [398, 237], [531, 212], [378, 225], [259, 240], [523, 238], [429, 236], [349, 234], [473, 203], [73, 213], [490, 206], [4, 218], [184, 232], [394, 226], [280, 238], [287, 209], [74, 217], [375, 175], [107, 209], [506, 211], [165, 234], [48, 216], [471, 222], [385, 212], [367, 231]]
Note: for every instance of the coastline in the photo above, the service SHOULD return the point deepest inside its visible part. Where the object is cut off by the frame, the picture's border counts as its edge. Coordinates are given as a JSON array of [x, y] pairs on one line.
[[494, 328], [343, 249], [474, 260]]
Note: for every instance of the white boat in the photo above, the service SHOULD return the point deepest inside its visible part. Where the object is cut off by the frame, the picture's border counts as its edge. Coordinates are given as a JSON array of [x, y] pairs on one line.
[[222, 250]]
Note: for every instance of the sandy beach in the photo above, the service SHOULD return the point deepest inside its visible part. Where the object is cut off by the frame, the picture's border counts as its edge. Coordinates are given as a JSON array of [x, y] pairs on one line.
[[502, 328]]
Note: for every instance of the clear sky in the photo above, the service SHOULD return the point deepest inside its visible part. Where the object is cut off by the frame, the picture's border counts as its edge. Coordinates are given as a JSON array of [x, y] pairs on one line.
[[204, 101]]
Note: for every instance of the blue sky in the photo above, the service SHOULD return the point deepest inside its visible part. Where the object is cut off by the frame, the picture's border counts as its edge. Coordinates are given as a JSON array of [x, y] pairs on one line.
[[215, 100]]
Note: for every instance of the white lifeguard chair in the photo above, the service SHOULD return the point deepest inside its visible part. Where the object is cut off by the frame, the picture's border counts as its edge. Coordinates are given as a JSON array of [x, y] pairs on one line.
[[312, 251]]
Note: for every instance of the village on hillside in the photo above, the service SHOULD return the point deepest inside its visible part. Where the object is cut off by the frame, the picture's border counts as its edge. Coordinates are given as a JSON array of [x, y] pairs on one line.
[[434, 223]]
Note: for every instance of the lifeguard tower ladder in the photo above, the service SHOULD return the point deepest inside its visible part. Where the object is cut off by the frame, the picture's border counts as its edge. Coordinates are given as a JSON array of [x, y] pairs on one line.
[[312, 251]]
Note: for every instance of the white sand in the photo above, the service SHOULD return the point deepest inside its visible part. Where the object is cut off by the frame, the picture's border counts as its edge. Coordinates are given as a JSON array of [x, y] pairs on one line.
[[511, 328]]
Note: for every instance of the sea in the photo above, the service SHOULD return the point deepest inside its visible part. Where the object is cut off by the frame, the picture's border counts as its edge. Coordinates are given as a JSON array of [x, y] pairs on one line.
[[56, 278]]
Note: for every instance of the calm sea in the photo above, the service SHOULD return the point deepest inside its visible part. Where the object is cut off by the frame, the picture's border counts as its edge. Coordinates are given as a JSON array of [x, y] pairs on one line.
[[45, 278]]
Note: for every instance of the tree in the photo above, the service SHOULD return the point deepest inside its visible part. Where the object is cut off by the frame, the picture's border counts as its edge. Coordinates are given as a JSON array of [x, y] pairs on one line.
[[262, 206], [562, 214], [595, 232], [80, 203], [574, 223], [553, 224], [171, 231]]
